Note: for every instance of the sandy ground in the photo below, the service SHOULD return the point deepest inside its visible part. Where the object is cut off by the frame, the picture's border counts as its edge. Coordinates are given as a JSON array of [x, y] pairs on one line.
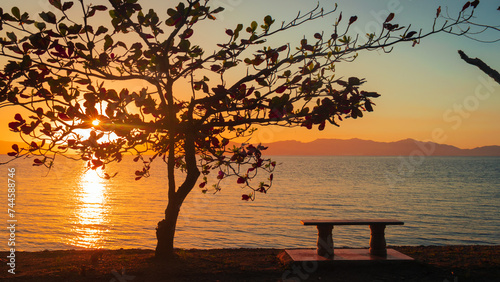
[[432, 263]]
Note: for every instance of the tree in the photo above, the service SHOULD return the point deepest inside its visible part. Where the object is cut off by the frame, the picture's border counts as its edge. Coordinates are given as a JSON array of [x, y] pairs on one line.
[[61, 72]]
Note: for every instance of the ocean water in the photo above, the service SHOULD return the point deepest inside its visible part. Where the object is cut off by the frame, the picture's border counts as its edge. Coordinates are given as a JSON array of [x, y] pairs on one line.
[[442, 200]]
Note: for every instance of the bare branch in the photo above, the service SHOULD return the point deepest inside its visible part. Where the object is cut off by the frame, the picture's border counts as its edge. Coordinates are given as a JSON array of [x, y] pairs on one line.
[[481, 65]]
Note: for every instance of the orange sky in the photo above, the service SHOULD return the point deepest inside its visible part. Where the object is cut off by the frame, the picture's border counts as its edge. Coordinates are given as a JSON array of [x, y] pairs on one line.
[[428, 92]]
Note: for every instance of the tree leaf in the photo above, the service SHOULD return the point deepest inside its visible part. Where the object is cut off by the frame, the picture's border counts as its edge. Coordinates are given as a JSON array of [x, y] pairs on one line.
[[14, 126], [108, 42], [34, 145], [12, 36], [64, 117], [353, 19], [101, 30], [370, 94], [218, 10], [75, 29], [59, 108], [389, 18], [83, 81], [239, 28], [8, 17], [63, 28], [254, 25], [368, 106], [268, 20], [18, 117], [184, 45], [354, 81], [56, 3], [322, 125], [16, 12], [48, 17], [410, 34], [67, 5], [281, 89], [100, 8], [215, 68], [467, 5], [81, 46], [187, 33], [97, 163], [41, 26]]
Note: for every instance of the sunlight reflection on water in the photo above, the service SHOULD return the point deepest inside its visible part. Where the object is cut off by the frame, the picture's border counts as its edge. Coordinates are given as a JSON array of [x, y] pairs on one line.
[[446, 200], [91, 217]]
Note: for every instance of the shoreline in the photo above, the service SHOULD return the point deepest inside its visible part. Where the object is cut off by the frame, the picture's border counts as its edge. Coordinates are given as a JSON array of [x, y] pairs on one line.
[[432, 263]]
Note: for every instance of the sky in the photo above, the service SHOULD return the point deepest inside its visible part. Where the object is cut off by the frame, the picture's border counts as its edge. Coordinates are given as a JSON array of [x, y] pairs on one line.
[[428, 92]]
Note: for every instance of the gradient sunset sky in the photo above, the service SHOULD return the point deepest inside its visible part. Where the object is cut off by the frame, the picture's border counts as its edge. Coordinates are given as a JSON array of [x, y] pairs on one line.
[[428, 92]]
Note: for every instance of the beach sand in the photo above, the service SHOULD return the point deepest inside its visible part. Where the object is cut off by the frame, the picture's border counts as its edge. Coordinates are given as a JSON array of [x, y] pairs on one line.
[[432, 263]]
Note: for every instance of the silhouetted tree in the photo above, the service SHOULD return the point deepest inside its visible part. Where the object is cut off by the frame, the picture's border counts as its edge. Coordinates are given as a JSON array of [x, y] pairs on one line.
[[63, 72]]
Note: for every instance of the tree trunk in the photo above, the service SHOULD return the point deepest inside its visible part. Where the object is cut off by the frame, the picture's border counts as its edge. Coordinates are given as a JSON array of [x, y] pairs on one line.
[[166, 228], [165, 231]]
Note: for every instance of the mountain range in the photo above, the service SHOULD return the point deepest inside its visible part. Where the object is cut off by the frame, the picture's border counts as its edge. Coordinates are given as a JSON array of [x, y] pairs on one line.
[[357, 147]]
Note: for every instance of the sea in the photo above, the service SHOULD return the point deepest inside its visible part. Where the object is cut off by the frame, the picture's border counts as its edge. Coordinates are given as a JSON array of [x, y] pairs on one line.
[[441, 200]]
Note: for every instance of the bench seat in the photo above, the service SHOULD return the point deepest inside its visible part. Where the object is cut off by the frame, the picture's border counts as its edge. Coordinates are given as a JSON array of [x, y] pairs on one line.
[[377, 235], [351, 222]]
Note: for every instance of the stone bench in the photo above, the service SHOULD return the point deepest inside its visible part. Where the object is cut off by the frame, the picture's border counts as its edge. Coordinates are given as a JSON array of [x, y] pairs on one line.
[[377, 239]]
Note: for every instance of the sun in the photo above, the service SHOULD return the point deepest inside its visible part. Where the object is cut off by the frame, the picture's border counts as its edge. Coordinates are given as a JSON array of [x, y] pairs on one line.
[[97, 127]]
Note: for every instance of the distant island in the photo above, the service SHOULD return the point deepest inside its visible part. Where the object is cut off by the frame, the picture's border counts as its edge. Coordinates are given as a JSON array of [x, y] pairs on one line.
[[357, 147]]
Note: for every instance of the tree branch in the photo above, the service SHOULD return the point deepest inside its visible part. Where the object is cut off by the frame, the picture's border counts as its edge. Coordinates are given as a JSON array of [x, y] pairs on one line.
[[481, 65]]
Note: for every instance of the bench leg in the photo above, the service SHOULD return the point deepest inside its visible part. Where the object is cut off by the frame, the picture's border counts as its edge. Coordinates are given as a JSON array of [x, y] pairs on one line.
[[325, 241], [377, 240]]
